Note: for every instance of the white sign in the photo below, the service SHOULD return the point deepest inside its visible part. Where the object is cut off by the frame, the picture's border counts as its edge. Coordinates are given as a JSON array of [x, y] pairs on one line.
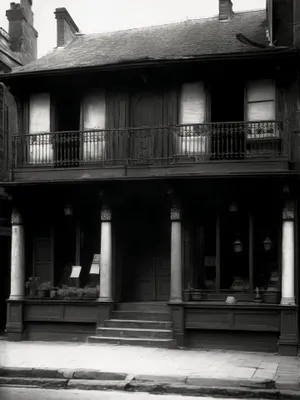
[[95, 269], [76, 269]]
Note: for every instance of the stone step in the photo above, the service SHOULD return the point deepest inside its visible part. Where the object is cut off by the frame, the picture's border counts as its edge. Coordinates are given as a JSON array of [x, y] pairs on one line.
[[146, 342], [140, 315], [135, 333], [143, 306], [138, 324]]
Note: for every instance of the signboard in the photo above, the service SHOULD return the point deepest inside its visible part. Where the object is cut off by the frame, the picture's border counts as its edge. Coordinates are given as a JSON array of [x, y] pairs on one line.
[[76, 269], [95, 268]]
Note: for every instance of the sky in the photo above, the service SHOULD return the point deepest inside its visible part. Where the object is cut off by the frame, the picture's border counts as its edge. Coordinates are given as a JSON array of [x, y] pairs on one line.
[[93, 16]]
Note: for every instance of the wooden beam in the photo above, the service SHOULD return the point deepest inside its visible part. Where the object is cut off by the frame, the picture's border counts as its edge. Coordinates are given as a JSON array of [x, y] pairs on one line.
[[251, 250], [218, 254]]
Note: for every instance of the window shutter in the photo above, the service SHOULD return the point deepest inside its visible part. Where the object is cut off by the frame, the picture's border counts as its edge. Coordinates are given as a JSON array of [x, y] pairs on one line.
[[192, 103], [41, 149], [94, 113], [192, 140], [94, 110], [261, 101], [39, 113]]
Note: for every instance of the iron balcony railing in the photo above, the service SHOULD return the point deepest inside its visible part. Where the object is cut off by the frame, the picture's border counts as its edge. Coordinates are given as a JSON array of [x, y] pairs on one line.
[[154, 146]]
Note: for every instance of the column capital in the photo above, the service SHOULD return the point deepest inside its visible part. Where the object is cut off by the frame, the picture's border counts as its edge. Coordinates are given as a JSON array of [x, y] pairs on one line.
[[16, 217], [175, 212], [106, 213], [288, 211]]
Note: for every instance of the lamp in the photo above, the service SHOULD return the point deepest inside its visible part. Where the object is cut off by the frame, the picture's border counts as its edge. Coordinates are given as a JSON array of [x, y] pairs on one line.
[[68, 209], [267, 243], [233, 207], [237, 246]]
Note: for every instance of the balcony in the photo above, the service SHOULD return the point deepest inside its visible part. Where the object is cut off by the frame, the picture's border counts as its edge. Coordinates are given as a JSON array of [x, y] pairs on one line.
[[190, 148]]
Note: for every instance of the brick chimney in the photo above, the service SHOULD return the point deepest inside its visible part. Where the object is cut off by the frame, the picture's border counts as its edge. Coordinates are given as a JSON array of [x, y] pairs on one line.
[[66, 27], [23, 36], [225, 10]]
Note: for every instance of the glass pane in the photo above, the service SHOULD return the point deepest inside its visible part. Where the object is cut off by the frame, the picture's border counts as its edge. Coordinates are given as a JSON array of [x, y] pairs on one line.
[[234, 240], [261, 90], [266, 248], [192, 103], [263, 111]]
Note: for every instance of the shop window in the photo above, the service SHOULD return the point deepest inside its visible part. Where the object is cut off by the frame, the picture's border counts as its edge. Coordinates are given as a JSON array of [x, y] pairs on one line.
[[234, 250]]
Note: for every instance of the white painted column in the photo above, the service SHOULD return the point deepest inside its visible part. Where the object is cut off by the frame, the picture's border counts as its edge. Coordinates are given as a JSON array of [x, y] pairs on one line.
[[17, 277], [106, 256], [288, 255], [176, 264]]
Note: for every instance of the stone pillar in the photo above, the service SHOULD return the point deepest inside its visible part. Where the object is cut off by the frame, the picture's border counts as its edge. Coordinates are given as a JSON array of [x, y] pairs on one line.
[[17, 288], [176, 267], [288, 255], [106, 256]]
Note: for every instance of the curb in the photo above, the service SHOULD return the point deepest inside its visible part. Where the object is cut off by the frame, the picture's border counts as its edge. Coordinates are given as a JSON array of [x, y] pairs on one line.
[[182, 385]]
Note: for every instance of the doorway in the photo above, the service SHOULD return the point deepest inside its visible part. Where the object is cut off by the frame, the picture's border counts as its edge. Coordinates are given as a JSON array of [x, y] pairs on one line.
[[227, 108], [144, 239], [65, 249], [146, 113], [67, 141]]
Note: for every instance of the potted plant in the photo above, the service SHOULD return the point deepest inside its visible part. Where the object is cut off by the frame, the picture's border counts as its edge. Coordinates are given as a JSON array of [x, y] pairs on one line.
[[196, 294], [44, 289], [53, 292], [67, 292], [31, 285]]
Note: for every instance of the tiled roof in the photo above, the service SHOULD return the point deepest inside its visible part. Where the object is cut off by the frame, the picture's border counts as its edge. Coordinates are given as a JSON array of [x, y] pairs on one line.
[[188, 39]]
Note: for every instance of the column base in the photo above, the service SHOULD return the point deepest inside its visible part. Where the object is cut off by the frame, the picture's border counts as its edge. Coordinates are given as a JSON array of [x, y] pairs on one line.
[[175, 301], [287, 301], [288, 340], [15, 297], [177, 313], [287, 349], [105, 300], [14, 323], [104, 311]]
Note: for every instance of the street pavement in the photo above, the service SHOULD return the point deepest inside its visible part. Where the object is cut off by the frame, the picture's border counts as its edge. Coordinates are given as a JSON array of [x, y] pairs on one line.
[[185, 367], [48, 394]]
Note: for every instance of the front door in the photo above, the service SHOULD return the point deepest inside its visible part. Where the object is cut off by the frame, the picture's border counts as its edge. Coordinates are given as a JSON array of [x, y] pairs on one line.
[[146, 114], [146, 258]]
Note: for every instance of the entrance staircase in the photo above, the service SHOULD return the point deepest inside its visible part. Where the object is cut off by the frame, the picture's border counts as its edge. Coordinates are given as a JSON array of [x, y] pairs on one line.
[[140, 324]]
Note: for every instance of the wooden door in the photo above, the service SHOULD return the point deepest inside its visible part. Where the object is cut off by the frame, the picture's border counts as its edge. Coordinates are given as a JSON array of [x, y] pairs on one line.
[[146, 116], [146, 259]]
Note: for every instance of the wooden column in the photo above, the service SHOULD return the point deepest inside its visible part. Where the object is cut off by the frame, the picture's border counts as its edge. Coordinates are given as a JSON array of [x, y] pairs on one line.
[[176, 261], [105, 294], [251, 251], [17, 289], [218, 254], [288, 255]]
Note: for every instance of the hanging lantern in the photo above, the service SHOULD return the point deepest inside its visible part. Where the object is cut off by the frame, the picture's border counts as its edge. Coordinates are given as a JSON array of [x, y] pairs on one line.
[[267, 244], [68, 210], [237, 246], [233, 207]]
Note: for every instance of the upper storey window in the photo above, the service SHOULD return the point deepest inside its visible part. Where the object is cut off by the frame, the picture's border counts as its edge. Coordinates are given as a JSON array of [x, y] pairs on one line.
[[261, 106], [40, 147]]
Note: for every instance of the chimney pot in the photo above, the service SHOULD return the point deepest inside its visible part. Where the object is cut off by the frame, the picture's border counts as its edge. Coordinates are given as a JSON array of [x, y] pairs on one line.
[[225, 10]]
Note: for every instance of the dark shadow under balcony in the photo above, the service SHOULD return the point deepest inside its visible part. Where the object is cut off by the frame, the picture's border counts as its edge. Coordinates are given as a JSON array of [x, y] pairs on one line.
[[165, 146]]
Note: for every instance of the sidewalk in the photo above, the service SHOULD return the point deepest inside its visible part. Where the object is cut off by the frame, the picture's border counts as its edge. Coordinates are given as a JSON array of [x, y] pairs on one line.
[[185, 367]]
